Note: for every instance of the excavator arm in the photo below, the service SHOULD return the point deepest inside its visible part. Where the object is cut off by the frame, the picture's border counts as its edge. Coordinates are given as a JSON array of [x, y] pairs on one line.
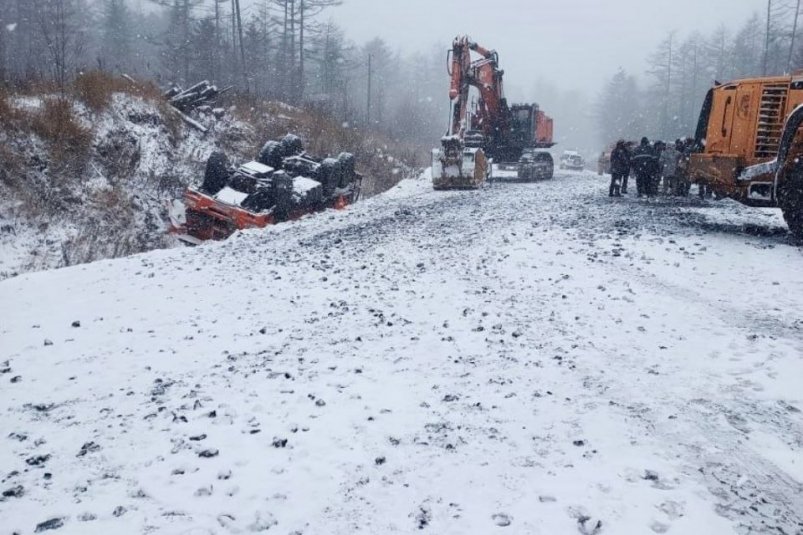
[[486, 128], [484, 74]]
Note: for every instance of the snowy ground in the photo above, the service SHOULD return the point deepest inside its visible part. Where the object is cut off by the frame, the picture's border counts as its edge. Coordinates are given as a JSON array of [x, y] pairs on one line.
[[529, 358]]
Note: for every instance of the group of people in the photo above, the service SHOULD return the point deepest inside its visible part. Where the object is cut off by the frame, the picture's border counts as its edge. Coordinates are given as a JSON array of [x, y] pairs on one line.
[[651, 164]]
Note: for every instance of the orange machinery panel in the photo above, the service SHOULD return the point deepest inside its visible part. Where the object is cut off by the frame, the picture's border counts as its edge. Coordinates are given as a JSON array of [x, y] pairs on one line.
[[544, 129]]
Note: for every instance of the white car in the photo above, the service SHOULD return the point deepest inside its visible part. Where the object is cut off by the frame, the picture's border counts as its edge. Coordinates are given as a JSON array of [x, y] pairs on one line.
[[572, 160]]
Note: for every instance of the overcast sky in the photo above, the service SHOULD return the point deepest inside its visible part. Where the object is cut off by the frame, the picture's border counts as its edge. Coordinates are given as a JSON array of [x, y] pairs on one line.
[[573, 43]]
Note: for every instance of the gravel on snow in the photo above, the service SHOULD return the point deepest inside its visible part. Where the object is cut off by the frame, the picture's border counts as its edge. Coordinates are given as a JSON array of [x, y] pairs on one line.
[[529, 358]]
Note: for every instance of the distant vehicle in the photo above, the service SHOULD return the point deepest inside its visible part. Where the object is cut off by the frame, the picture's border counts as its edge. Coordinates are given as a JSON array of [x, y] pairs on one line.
[[536, 164], [572, 160]]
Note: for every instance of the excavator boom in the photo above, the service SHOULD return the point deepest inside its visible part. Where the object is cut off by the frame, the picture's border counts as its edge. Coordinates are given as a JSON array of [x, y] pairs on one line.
[[486, 129]]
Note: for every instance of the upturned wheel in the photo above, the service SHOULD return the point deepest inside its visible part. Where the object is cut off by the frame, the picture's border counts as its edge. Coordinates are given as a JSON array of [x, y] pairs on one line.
[[790, 198]]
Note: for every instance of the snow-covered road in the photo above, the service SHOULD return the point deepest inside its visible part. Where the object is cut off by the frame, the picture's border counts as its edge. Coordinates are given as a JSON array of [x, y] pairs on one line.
[[529, 359]]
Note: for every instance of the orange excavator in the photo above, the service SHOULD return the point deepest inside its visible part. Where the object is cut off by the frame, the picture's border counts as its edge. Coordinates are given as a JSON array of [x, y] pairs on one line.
[[483, 129]]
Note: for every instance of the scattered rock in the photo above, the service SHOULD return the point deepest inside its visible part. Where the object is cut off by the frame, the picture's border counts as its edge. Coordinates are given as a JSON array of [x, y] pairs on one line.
[[53, 523], [262, 522], [547, 499], [380, 461], [208, 454], [16, 379], [279, 442], [119, 511], [13, 492], [87, 517], [649, 475], [198, 438], [424, 517], [37, 460], [89, 447], [579, 443], [320, 403], [502, 520], [76, 324], [48, 342], [226, 521], [588, 526], [203, 491], [449, 398]]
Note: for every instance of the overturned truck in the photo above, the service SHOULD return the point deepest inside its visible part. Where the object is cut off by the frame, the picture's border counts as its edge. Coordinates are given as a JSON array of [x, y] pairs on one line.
[[283, 184]]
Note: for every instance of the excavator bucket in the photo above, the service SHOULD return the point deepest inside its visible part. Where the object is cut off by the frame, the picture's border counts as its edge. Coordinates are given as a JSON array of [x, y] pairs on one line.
[[455, 166]]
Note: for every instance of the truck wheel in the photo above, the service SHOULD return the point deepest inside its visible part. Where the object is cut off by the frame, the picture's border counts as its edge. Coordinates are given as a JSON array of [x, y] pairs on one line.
[[272, 154], [790, 199], [327, 176], [293, 146], [348, 168], [216, 175]]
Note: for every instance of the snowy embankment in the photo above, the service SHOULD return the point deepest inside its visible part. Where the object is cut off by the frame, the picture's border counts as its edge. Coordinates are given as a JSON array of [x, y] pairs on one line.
[[529, 358], [110, 201]]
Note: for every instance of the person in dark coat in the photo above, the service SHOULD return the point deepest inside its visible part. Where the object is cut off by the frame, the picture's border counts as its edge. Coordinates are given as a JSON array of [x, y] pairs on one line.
[[620, 169], [644, 164], [629, 145], [657, 169], [683, 182]]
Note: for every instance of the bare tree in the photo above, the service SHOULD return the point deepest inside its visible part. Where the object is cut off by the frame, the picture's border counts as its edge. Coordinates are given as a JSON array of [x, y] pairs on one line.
[[793, 38], [63, 36], [4, 10], [308, 11]]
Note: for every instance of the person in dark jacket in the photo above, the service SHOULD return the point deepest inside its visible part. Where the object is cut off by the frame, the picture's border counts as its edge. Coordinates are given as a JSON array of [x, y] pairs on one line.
[[657, 169], [629, 146], [683, 184], [620, 169], [645, 164]]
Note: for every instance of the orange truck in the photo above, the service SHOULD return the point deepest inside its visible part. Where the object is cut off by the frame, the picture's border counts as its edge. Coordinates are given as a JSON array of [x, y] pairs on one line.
[[284, 184], [749, 143]]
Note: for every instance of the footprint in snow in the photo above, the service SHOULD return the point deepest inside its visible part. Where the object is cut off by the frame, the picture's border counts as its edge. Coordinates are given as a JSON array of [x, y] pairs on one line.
[[502, 520], [589, 526]]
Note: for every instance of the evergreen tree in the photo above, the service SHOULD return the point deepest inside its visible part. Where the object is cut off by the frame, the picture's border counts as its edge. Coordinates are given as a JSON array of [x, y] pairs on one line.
[[177, 52], [117, 38], [619, 115]]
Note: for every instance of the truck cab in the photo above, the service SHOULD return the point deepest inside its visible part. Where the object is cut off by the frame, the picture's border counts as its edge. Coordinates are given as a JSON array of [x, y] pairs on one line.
[[739, 135]]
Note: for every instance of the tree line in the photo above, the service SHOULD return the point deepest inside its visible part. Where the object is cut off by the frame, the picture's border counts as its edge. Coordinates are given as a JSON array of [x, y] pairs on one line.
[[286, 50], [665, 103]]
